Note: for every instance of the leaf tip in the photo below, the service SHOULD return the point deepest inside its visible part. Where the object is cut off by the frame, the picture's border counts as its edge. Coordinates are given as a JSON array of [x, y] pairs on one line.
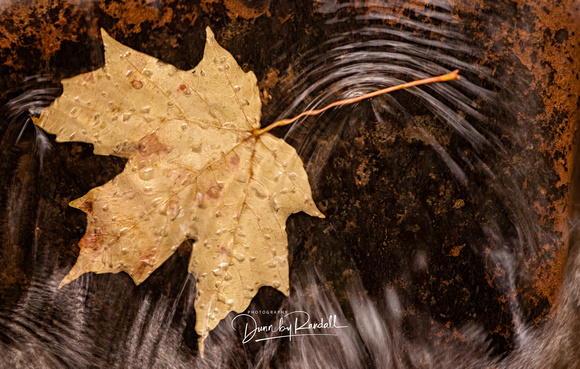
[[108, 40], [76, 271], [84, 204], [209, 34], [39, 121], [104, 34], [139, 278], [66, 280], [313, 211]]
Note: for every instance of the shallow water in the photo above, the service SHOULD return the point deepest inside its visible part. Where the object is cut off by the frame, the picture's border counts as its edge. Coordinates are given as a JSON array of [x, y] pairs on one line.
[[430, 251]]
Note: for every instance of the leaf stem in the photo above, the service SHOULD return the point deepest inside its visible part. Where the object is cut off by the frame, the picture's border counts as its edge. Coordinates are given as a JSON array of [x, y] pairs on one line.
[[442, 78]]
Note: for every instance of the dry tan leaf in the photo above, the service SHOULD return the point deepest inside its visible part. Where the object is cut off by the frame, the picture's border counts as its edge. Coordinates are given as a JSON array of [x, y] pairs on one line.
[[198, 167]]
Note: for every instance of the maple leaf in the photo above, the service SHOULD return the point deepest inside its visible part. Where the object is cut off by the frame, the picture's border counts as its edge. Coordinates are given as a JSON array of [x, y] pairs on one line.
[[198, 167]]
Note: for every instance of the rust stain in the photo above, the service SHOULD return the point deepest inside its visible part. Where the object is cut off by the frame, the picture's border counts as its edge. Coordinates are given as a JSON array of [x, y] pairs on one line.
[[244, 10], [132, 16], [456, 250], [237, 8], [33, 32], [41, 25], [546, 42], [547, 280], [557, 79]]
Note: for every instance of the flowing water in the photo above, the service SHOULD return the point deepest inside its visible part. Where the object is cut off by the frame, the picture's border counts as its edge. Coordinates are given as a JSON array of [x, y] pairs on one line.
[[431, 195]]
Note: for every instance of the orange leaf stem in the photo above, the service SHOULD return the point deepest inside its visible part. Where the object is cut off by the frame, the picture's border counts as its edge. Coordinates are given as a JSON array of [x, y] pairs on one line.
[[442, 78]]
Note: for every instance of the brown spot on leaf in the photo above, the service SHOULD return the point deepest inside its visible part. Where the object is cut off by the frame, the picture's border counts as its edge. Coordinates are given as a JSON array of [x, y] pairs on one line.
[[92, 240], [214, 191], [233, 162], [88, 77], [184, 89], [150, 145], [87, 207], [137, 85], [234, 159], [223, 250]]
